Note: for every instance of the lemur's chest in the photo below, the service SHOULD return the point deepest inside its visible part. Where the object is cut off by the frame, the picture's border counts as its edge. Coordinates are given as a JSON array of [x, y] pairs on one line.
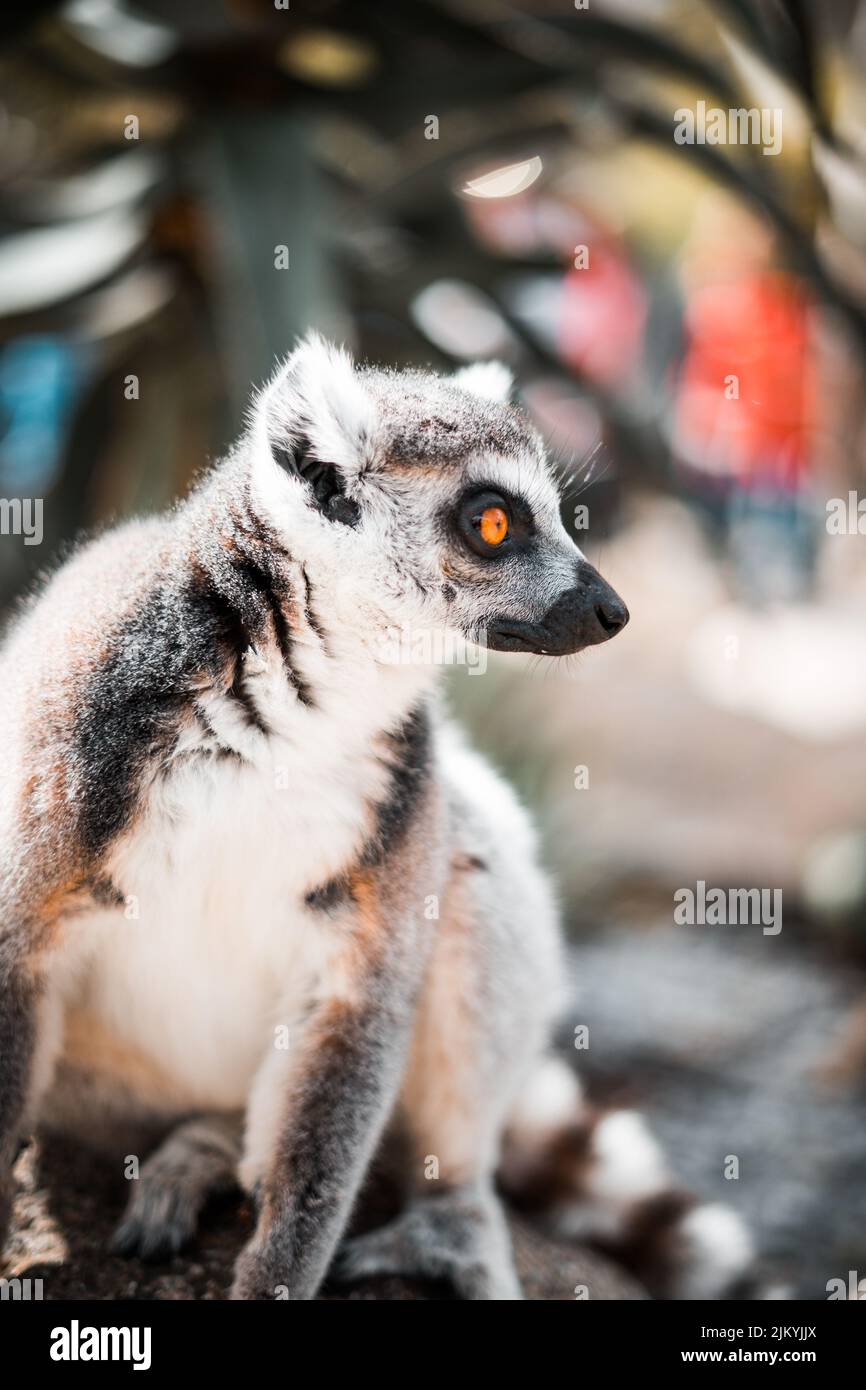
[[216, 948]]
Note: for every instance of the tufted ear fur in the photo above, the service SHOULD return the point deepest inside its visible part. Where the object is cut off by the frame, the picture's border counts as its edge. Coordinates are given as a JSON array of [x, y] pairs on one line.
[[318, 421], [491, 380]]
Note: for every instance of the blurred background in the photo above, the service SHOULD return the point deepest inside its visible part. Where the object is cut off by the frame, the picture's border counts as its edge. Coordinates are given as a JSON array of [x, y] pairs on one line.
[[186, 186]]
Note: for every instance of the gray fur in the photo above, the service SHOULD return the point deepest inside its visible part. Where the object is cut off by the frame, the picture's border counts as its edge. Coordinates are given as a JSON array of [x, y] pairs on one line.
[[197, 1161], [329, 1139], [458, 1237], [425, 418]]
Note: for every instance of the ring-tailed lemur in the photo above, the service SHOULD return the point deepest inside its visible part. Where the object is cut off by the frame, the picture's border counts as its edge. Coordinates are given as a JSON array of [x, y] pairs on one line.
[[248, 865]]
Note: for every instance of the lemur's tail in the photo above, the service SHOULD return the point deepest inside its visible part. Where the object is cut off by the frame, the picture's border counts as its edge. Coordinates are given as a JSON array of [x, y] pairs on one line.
[[600, 1177]]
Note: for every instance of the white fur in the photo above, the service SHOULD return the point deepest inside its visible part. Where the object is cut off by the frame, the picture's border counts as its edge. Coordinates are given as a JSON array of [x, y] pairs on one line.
[[716, 1250], [222, 950], [318, 393], [628, 1164], [492, 381], [553, 1098]]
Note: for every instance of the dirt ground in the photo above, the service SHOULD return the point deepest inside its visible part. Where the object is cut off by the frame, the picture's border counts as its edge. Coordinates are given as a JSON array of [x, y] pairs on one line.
[[69, 1202]]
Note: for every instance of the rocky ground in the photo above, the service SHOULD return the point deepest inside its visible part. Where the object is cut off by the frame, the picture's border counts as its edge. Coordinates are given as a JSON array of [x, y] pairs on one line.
[[731, 1045]]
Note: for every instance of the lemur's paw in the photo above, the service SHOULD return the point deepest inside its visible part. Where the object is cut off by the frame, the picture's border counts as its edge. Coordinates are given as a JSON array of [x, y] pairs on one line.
[[160, 1219], [458, 1238], [195, 1162]]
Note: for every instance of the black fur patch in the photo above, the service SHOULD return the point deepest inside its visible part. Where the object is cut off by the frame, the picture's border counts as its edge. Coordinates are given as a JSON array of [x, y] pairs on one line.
[[310, 613], [410, 773], [133, 704], [329, 896], [187, 630], [233, 632], [326, 482], [179, 635], [256, 581], [106, 893]]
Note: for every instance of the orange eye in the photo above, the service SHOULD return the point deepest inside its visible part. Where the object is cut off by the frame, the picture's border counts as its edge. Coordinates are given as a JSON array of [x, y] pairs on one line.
[[493, 525]]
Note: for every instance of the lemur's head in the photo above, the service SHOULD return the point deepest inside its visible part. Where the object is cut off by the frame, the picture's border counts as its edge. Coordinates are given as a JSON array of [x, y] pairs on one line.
[[425, 502]]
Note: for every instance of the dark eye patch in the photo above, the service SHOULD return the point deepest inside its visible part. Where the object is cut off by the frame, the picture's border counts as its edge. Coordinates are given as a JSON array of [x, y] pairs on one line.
[[469, 521]]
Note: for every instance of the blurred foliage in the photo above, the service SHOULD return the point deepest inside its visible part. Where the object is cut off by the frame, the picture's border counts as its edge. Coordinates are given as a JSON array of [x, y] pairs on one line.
[[258, 126]]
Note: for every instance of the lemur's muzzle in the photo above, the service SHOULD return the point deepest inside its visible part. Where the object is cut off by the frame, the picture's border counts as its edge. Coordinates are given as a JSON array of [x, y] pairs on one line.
[[581, 617]]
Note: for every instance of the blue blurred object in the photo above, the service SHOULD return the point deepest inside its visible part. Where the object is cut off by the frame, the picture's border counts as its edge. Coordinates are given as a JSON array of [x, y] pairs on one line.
[[40, 380]]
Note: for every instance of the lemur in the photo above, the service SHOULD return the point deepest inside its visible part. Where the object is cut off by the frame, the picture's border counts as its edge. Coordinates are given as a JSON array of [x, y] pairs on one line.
[[251, 871]]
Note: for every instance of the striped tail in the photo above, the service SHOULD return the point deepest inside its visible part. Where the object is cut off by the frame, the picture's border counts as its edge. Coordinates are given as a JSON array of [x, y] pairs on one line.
[[601, 1178]]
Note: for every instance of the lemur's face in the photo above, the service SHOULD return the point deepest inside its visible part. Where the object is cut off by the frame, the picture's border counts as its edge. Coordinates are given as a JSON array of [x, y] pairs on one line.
[[427, 503]]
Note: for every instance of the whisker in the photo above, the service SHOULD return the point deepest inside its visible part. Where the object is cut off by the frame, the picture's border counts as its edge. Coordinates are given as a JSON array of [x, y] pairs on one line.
[[586, 473]]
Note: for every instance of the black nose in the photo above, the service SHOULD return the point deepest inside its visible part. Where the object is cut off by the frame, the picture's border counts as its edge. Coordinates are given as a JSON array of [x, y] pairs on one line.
[[611, 613], [598, 612]]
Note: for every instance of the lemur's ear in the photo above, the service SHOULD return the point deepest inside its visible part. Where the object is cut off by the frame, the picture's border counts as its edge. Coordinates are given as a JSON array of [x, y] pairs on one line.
[[492, 380], [319, 422]]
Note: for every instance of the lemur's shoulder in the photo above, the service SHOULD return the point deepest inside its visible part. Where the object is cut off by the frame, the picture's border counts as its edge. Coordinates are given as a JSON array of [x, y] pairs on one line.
[[51, 662], [63, 622], [71, 620]]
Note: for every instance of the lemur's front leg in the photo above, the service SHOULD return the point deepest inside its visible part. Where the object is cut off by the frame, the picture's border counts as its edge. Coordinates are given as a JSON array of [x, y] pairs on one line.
[[337, 1092]]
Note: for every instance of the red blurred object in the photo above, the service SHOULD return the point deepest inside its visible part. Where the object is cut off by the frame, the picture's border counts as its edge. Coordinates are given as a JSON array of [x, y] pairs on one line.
[[602, 316], [754, 429]]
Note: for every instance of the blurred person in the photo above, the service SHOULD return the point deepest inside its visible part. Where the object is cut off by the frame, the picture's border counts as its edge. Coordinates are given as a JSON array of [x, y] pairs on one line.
[[744, 402], [602, 313]]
